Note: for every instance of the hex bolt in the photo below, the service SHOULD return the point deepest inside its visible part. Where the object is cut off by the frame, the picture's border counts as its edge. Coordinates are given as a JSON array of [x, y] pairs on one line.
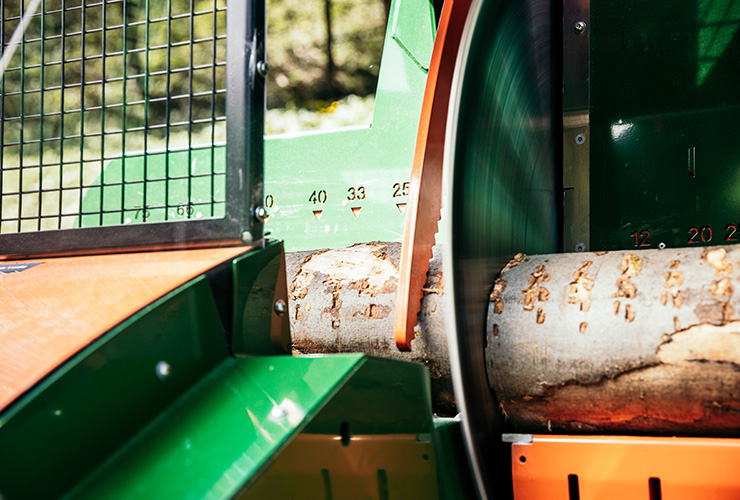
[[163, 370], [580, 139], [260, 213], [280, 307], [579, 28]]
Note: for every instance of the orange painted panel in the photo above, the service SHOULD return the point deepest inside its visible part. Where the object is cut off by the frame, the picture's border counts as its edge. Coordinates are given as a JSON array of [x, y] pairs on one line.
[[52, 310], [634, 468]]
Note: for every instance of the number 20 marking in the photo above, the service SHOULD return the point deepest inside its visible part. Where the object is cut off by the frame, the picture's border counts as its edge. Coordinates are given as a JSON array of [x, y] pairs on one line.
[[705, 234]]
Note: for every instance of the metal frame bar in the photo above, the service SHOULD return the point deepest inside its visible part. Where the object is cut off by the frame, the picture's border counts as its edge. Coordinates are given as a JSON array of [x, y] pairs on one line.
[[244, 39]]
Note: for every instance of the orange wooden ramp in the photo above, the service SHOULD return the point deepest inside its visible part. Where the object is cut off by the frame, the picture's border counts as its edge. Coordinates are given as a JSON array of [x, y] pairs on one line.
[[53, 307]]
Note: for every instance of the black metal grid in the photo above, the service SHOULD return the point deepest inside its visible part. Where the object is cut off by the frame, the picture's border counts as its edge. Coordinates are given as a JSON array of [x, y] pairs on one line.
[[113, 114]]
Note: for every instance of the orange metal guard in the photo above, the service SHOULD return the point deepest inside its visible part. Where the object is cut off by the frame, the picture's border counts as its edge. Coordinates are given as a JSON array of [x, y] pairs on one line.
[[425, 193], [625, 468]]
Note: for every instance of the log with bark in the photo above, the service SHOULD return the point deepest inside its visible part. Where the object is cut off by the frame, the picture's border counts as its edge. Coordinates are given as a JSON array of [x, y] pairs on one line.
[[343, 300], [618, 342]]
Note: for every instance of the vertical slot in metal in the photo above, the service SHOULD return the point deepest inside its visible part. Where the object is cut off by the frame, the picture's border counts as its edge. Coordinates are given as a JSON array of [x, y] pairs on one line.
[[655, 489], [574, 492]]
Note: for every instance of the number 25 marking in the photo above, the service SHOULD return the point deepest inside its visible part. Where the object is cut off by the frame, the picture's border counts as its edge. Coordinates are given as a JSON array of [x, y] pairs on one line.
[[400, 189]]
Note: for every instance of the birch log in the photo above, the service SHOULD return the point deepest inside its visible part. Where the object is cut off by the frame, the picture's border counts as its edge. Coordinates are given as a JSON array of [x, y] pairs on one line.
[[619, 342], [343, 300]]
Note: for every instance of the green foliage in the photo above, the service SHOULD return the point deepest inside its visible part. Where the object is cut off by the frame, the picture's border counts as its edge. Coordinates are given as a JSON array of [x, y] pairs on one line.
[[298, 56], [351, 110]]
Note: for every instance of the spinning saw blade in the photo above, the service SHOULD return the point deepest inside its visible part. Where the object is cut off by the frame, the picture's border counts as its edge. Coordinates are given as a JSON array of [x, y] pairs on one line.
[[502, 176]]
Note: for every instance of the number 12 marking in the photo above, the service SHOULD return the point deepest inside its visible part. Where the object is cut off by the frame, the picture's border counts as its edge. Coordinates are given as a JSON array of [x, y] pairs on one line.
[[641, 240]]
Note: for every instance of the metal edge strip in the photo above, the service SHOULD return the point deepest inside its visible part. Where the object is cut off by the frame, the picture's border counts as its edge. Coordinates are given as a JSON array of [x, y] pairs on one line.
[[451, 318]]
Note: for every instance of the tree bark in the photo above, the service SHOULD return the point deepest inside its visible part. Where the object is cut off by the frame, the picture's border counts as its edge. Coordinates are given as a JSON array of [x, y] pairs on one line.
[[330, 67], [618, 342]]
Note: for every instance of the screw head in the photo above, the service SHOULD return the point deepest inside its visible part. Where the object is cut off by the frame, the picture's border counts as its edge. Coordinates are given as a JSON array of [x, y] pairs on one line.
[[280, 307], [579, 28], [163, 370], [661, 245], [581, 247], [262, 68], [277, 414], [580, 139]]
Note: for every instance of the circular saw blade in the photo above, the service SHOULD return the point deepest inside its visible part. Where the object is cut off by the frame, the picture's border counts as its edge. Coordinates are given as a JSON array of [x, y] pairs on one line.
[[502, 176]]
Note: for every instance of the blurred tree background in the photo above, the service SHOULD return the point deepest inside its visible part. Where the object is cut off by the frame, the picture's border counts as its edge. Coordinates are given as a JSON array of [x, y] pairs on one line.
[[131, 65], [322, 50]]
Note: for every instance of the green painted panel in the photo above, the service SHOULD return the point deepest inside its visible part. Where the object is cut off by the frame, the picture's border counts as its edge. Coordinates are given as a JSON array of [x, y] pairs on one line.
[[158, 187], [384, 397], [336, 188], [415, 38], [665, 118], [229, 427], [453, 474], [92, 405], [208, 444], [256, 276]]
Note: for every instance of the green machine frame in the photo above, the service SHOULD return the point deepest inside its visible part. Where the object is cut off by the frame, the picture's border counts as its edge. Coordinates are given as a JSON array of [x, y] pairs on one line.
[[190, 397]]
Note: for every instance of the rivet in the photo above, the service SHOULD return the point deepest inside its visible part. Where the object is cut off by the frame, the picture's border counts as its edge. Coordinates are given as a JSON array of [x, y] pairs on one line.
[[579, 28], [580, 139], [280, 307]]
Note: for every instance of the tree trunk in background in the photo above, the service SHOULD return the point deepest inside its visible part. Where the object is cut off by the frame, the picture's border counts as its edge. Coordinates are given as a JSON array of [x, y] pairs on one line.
[[330, 68]]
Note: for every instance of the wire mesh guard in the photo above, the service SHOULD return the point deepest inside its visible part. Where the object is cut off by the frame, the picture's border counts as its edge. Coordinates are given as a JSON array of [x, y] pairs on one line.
[[113, 113]]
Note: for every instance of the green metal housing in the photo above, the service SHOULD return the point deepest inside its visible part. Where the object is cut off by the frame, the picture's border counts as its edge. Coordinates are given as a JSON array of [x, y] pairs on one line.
[[664, 123], [322, 189]]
